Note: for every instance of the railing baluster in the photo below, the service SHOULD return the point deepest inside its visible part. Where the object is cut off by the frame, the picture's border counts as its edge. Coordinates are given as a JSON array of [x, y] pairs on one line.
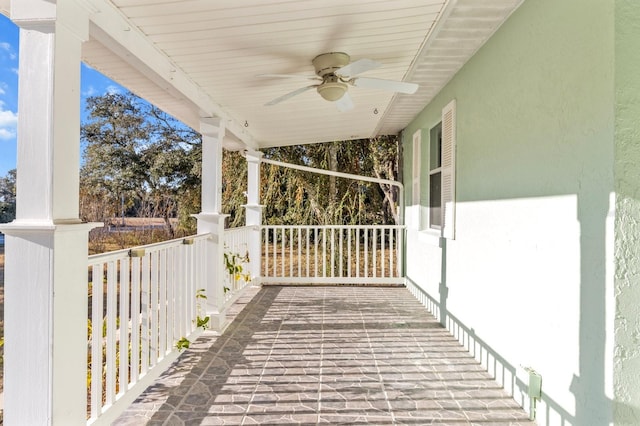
[[275, 252], [265, 245], [341, 253], [392, 239], [299, 251], [124, 325], [187, 271], [349, 252], [374, 248], [135, 319], [333, 253], [110, 370], [357, 231], [172, 267], [308, 252], [162, 304], [315, 253], [145, 307], [383, 258], [97, 276], [282, 246], [154, 290], [400, 251], [324, 252], [291, 239], [366, 253]]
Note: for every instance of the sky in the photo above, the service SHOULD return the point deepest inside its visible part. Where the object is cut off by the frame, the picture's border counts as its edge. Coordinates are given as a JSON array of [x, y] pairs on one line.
[[93, 83]]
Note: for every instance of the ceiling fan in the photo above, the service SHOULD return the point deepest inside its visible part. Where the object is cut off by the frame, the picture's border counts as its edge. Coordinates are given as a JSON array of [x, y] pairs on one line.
[[335, 73]]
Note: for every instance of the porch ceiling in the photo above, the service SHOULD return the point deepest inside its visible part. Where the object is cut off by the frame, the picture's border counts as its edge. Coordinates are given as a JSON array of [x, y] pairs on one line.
[[198, 58]]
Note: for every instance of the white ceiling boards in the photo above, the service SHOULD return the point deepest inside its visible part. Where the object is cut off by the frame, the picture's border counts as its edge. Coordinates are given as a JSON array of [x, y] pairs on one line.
[[204, 58]]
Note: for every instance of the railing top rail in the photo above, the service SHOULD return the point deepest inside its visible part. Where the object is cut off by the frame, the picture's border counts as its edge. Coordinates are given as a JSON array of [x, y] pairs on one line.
[[239, 229], [121, 254], [335, 226]]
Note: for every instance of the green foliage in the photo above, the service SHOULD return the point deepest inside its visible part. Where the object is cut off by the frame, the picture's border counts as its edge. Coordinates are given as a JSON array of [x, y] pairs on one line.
[[8, 197], [138, 159], [183, 344], [234, 187], [201, 321], [233, 263], [201, 293], [297, 197]]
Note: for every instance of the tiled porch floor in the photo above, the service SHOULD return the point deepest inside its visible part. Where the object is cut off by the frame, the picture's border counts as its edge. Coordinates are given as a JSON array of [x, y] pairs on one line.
[[332, 355]]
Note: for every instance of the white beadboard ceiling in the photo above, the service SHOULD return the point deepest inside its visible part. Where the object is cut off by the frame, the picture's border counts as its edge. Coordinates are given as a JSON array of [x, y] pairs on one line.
[[198, 58]]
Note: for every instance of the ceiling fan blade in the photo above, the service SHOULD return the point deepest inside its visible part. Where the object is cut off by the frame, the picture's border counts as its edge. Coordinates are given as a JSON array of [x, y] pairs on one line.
[[289, 95], [391, 85], [358, 67], [345, 103], [298, 77]]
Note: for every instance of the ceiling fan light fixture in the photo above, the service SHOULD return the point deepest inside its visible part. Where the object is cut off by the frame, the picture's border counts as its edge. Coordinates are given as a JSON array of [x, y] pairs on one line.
[[332, 91]]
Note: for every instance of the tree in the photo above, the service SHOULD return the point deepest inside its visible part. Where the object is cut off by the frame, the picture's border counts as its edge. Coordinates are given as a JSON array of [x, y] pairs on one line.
[[296, 197], [140, 161], [385, 154], [137, 158], [8, 197], [234, 187]]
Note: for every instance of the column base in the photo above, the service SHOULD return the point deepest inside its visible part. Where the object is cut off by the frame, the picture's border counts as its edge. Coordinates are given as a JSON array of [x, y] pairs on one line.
[[218, 322]]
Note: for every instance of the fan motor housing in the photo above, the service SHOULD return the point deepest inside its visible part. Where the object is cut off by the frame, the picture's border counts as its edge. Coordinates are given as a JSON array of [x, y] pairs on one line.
[[328, 63]]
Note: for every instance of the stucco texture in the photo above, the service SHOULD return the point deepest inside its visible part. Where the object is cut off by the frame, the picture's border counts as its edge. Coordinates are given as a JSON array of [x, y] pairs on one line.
[[627, 222], [529, 272]]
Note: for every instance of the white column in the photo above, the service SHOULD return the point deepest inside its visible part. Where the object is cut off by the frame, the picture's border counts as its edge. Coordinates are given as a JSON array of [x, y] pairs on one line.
[[46, 246], [210, 219], [254, 214]]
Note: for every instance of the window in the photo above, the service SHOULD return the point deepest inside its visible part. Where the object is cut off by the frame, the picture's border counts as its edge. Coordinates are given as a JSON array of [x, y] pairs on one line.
[[442, 149], [415, 169], [435, 177]]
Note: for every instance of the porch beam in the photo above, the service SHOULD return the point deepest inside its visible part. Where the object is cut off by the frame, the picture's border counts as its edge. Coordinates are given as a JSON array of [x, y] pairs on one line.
[[46, 246], [123, 38]]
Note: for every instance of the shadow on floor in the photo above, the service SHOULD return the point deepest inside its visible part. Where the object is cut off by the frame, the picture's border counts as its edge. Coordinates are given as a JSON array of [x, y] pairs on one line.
[[350, 355]]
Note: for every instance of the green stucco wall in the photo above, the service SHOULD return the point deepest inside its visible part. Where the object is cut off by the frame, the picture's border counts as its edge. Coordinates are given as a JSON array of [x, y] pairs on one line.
[[627, 241], [531, 268]]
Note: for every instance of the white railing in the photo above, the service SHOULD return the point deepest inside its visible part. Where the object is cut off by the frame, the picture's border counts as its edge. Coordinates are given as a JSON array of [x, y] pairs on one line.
[[143, 301], [332, 254], [236, 251]]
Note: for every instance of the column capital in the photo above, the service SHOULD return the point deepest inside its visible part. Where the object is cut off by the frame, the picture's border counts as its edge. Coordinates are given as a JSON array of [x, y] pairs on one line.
[[21, 227], [253, 156], [44, 16], [212, 126], [210, 216], [37, 15]]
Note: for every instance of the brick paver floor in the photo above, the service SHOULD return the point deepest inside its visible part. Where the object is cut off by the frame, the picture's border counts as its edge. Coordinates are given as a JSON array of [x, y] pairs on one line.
[[327, 355]]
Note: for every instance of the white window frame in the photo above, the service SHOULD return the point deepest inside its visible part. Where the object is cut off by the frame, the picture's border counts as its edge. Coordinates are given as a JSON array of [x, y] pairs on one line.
[[432, 173], [415, 168], [447, 172], [448, 182]]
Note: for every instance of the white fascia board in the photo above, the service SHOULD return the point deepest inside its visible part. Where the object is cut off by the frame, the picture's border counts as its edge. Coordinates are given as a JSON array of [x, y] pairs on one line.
[[114, 31]]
